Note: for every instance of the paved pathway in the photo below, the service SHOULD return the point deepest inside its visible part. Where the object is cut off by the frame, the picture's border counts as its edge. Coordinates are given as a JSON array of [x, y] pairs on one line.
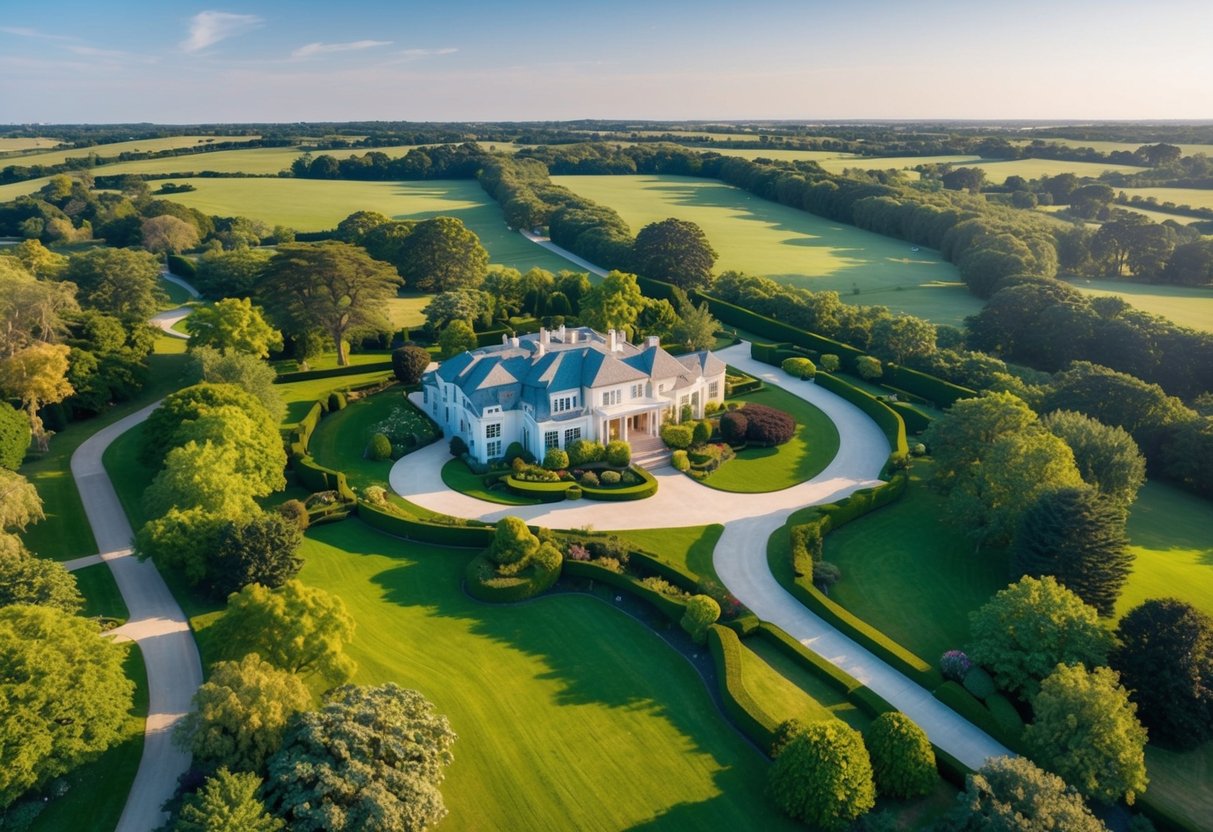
[[165, 320], [545, 242], [740, 556], [156, 624]]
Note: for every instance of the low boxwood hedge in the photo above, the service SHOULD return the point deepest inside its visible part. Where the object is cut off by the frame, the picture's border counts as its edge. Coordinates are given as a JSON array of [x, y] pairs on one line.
[[468, 534], [745, 712], [318, 478], [551, 492], [671, 608]]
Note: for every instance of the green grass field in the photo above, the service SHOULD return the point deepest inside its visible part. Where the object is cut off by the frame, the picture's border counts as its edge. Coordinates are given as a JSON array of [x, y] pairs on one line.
[[806, 455], [570, 714], [65, 533], [13, 190], [458, 477], [1109, 147], [997, 172], [761, 237], [315, 205], [788, 691], [102, 597], [1195, 197], [342, 437], [1171, 532], [842, 162], [18, 145], [1188, 306], [689, 547], [55, 157], [1159, 216], [407, 310], [248, 160]]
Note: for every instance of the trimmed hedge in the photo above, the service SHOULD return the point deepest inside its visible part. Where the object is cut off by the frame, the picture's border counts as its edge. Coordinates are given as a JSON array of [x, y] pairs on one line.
[[318, 478], [744, 625], [671, 608], [501, 590], [476, 536], [551, 492], [942, 394], [334, 372], [915, 420], [950, 768], [182, 267], [964, 703], [868, 700], [887, 418], [1005, 715], [492, 337], [673, 573], [742, 709]]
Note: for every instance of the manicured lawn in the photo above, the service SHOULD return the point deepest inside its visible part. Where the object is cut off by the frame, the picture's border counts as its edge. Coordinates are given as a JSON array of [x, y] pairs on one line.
[[910, 575], [177, 296], [314, 205], [570, 714], [407, 310], [1171, 532], [342, 437], [328, 361], [65, 533], [788, 691], [1188, 306], [689, 547], [803, 457], [761, 237], [1183, 782], [96, 791], [101, 595], [457, 476], [298, 396]]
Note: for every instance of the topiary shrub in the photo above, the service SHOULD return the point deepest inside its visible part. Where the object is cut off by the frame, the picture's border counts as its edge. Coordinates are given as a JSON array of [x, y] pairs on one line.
[[379, 448], [677, 436], [702, 432], [516, 451], [618, 453], [609, 478], [458, 446], [979, 683], [823, 776], [555, 459], [868, 367], [588, 479], [830, 363], [513, 544], [767, 426], [573, 492], [733, 427], [585, 451], [784, 734], [337, 401], [680, 461], [799, 367], [954, 665], [903, 762], [702, 612], [409, 363], [825, 574], [296, 512]]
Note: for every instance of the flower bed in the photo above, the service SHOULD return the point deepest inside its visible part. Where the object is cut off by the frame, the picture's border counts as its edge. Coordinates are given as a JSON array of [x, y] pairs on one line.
[[552, 486]]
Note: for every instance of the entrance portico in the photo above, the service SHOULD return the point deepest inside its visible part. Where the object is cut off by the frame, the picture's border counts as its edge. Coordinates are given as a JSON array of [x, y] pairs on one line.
[[637, 418]]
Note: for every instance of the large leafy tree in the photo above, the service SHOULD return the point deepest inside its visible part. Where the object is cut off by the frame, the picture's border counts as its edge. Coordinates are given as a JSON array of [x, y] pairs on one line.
[[297, 628], [30, 309], [823, 776], [14, 437], [37, 375], [676, 251], [442, 254], [25, 579], [409, 363], [256, 549], [457, 337], [181, 539], [20, 504], [166, 428], [1078, 537], [241, 712], [261, 457], [695, 328], [615, 303], [233, 325], [329, 287], [993, 458], [902, 338], [210, 477], [227, 802], [1030, 627], [236, 273], [371, 759], [1107, 457], [167, 234], [65, 695], [1086, 730], [250, 374], [118, 281], [1165, 659], [1010, 794]]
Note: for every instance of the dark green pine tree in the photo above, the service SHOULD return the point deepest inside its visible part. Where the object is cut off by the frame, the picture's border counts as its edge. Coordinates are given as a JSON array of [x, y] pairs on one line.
[[1078, 536]]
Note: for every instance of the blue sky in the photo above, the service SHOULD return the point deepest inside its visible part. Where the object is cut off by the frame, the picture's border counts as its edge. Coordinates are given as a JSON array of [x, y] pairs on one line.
[[184, 62]]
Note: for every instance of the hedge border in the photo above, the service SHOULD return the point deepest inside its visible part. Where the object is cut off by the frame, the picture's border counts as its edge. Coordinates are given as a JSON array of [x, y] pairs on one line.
[[426, 531], [551, 492], [671, 608], [334, 372], [866, 699], [744, 711], [954, 695]]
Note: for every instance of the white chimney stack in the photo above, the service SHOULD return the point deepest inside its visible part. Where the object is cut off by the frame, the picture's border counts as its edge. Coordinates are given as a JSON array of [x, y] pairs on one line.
[[544, 336], [561, 331], [612, 341], [514, 342], [653, 341], [505, 339], [541, 349]]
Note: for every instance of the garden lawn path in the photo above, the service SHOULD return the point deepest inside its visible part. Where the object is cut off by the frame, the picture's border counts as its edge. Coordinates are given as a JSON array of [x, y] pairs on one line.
[[167, 319], [740, 556]]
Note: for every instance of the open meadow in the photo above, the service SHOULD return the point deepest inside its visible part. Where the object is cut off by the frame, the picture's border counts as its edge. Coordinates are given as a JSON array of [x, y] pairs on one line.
[[1195, 197], [1111, 147], [998, 171], [761, 237], [1189, 306], [55, 157], [315, 205], [25, 144], [841, 161]]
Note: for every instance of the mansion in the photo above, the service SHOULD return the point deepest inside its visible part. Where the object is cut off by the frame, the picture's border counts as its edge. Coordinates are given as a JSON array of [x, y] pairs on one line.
[[552, 388]]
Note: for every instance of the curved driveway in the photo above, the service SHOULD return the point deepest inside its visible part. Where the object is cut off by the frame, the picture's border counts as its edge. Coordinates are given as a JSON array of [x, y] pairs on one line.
[[740, 557]]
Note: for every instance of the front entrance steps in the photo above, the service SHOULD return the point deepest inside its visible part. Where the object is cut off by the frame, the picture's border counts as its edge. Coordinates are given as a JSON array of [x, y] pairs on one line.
[[649, 452]]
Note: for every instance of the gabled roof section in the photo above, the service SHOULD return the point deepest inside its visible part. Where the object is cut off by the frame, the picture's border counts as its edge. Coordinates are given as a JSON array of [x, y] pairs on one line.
[[702, 363], [599, 369], [655, 362], [452, 368]]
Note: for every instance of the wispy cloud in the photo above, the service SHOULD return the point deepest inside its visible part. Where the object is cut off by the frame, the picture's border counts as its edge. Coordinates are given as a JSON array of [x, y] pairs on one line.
[[415, 54], [208, 28], [313, 49], [25, 32]]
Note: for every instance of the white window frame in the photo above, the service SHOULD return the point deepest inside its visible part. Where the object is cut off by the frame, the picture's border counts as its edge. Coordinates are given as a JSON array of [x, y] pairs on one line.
[[551, 439], [492, 430], [493, 448], [571, 435]]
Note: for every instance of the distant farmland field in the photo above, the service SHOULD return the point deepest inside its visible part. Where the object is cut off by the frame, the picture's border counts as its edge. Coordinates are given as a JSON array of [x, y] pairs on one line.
[[1185, 305], [17, 145], [761, 237], [315, 205], [55, 157], [1196, 197], [841, 162], [997, 172]]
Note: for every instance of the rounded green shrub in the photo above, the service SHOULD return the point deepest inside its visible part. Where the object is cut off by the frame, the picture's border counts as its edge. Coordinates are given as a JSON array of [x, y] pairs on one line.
[[787, 731], [409, 363], [14, 436], [768, 426], [830, 363], [680, 461], [823, 776], [458, 446], [702, 612], [296, 512], [516, 451], [702, 432], [585, 451], [379, 448], [618, 453], [337, 401], [555, 459], [979, 683], [513, 542], [589, 479], [903, 762], [677, 436], [573, 492], [609, 478], [799, 367]]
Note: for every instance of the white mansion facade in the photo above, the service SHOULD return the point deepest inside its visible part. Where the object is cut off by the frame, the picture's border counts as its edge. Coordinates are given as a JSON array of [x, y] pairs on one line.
[[552, 388]]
